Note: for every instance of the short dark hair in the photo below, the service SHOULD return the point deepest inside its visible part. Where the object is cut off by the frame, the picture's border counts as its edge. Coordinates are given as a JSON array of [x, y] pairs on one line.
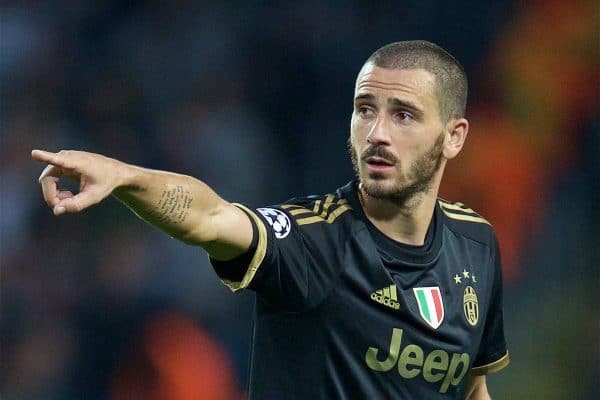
[[450, 77]]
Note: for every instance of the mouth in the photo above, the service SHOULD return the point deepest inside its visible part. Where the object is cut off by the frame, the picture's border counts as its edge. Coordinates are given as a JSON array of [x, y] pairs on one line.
[[378, 163]]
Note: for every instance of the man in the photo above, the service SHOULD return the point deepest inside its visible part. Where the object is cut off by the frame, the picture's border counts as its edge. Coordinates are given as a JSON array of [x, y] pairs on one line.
[[377, 291]]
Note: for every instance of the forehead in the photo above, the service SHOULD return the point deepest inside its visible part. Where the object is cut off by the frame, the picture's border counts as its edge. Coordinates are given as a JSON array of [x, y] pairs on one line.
[[417, 85]]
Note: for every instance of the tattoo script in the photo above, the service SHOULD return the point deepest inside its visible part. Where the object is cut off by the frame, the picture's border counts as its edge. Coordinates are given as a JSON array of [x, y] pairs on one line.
[[173, 206]]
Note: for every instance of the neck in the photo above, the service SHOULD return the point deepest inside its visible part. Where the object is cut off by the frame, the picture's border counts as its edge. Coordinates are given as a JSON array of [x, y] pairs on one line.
[[407, 222]]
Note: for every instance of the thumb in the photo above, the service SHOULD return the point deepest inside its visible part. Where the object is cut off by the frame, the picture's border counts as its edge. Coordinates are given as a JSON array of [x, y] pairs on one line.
[[77, 203]]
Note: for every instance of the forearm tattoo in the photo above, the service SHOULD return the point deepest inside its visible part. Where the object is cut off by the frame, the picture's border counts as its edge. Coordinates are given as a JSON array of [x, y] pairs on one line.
[[173, 206]]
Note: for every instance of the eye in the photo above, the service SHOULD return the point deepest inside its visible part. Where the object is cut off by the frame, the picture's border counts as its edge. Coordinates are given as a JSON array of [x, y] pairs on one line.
[[404, 116], [365, 112]]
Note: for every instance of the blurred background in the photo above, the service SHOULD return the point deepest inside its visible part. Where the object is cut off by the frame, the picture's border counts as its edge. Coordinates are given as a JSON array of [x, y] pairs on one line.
[[255, 99]]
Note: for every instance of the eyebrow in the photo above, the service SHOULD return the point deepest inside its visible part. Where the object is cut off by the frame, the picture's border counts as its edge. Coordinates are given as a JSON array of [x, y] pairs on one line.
[[406, 104], [394, 101], [366, 96]]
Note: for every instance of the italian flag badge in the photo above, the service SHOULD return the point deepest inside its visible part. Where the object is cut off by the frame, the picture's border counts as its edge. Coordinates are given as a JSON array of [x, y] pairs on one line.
[[430, 304]]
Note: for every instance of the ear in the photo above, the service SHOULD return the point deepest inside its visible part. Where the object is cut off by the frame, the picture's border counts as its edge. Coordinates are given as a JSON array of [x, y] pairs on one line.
[[456, 134]]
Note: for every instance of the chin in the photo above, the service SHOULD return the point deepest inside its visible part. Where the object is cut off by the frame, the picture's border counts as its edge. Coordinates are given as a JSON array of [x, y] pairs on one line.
[[380, 188], [392, 190]]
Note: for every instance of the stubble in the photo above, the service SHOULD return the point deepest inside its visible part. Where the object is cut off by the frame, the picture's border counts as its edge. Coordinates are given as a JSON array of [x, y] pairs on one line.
[[417, 180]]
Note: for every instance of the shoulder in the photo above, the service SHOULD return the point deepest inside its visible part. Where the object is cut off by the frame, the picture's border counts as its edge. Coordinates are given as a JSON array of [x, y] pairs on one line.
[[319, 222], [317, 209], [466, 222], [308, 215]]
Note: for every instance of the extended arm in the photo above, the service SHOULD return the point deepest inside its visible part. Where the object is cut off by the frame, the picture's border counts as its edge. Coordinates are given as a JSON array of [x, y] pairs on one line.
[[180, 205]]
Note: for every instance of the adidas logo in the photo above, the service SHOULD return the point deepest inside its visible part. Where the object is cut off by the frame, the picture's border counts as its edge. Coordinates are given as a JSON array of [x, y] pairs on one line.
[[387, 296]]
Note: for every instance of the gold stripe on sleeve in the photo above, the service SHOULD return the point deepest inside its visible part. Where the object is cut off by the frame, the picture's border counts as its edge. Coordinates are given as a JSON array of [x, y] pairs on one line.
[[492, 367], [330, 218], [457, 206], [259, 254], [300, 210], [463, 217], [309, 220], [337, 212], [326, 205], [316, 207]]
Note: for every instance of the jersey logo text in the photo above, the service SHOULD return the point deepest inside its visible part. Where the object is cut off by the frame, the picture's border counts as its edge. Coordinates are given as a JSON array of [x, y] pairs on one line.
[[437, 366], [431, 306], [388, 296]]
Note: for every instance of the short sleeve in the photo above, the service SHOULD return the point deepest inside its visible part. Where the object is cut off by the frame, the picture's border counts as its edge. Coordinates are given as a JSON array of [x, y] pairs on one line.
[[297, 255], [493, 354]]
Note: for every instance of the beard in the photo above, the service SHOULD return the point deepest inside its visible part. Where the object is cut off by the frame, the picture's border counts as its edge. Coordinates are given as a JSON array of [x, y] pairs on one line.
[[416, 180]]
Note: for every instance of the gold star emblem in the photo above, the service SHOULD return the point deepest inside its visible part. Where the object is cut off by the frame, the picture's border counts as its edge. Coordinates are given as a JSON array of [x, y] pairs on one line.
[[473, 278], [457, 279], [465, 273]]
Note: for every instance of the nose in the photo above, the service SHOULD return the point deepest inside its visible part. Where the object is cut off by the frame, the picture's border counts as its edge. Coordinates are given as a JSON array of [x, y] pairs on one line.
[[379, 132]]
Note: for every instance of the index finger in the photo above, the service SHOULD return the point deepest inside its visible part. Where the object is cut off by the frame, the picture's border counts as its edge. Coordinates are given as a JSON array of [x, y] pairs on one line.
[[47, 157]]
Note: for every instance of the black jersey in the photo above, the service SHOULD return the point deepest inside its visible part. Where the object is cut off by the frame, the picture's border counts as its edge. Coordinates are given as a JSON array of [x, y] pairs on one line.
[[344, 312]]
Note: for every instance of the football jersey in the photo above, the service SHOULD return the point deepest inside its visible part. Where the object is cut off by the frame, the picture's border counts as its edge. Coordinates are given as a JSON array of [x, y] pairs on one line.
[[345, 312]]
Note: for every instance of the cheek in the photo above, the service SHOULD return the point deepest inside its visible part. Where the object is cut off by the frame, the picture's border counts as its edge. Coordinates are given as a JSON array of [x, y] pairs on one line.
[[412, 142], [353, 127], [357, 139], [358, 127]]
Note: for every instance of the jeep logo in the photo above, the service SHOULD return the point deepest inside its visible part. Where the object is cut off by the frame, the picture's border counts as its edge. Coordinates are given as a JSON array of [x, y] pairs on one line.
[[412, 361]]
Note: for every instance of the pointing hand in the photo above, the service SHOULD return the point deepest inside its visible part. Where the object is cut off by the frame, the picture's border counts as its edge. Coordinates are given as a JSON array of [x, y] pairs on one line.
[[97, 176]]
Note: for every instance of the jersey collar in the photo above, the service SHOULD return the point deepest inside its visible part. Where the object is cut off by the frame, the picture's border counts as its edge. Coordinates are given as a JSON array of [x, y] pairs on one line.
[[393, 250]]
